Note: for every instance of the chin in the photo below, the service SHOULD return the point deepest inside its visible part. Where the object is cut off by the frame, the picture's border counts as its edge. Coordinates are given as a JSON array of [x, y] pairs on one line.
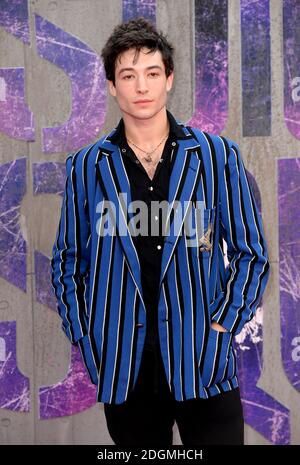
[[143, 113]]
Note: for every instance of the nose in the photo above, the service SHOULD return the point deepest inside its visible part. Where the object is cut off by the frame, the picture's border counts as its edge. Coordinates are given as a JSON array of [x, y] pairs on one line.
[[141, 85]]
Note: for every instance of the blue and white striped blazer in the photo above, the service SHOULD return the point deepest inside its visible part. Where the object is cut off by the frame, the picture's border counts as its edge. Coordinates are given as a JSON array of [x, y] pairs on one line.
[[97, 280]]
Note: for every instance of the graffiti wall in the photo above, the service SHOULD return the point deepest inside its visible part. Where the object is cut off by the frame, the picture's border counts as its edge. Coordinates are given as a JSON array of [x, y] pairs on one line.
[[237, 73]]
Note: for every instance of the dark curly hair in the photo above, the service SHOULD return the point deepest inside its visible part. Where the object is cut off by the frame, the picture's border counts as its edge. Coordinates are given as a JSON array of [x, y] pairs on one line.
[[136, 33]]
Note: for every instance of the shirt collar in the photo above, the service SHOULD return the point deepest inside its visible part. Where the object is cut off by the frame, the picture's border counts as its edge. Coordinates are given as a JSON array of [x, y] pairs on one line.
[[176, 131]]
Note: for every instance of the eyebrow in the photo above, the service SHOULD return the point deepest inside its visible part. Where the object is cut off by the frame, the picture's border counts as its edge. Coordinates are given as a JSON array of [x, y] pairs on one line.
[[132, 69]]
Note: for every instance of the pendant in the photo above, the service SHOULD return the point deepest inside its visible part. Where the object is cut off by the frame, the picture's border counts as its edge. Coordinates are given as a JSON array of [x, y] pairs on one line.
[[148, 159]]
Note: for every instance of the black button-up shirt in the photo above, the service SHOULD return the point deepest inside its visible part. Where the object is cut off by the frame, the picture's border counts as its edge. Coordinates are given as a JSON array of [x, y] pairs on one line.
[[149, 247]]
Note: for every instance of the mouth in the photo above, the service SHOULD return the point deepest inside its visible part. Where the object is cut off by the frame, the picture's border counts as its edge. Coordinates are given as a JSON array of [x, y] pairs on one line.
[[143, 102]]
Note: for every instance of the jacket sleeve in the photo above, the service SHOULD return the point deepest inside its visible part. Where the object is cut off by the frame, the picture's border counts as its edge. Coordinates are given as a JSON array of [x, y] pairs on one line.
[[241, 226], [70, 255]]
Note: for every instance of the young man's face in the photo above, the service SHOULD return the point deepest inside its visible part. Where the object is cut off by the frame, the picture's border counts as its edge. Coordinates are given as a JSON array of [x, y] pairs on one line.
[[145, 80]]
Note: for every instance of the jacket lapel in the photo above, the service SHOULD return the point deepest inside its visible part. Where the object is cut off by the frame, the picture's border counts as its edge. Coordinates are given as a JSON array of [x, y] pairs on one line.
[[184, 178], [113, 179]]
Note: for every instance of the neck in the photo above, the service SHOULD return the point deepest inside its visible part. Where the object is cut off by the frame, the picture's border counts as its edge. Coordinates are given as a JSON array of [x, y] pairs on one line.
[[147, 132]]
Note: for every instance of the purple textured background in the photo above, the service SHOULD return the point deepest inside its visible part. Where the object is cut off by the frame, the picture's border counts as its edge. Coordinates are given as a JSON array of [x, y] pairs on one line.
[[211, 63], [14, 18], [256, 67], [289, 265], [16, 120], [71, 395], [291, 52], [12, 243], [14, 386], [88, 87], [134, 8], [261, 411]]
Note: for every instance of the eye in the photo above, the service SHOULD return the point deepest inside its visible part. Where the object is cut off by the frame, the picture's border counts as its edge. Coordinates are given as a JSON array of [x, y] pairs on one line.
[[154, 74], [128, 76]]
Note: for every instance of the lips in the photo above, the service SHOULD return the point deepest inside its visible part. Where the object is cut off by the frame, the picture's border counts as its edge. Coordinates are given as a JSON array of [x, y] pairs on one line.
[[143, 101]]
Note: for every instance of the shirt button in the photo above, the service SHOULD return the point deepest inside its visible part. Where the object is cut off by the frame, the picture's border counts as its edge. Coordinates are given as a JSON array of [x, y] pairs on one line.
[[173, 143], [137, 162], [151, 188], [123, 150], [156, 218], [158, 247], [161, 160]]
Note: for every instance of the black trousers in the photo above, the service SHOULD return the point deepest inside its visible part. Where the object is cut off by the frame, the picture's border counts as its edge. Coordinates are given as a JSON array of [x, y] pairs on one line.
[[148, 415]]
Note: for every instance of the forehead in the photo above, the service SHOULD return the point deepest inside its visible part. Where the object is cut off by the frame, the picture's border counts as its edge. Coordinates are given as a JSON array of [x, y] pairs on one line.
[[136, 59]]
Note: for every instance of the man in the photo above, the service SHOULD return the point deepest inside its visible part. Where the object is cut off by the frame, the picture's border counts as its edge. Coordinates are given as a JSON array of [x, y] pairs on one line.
[[155, 314]]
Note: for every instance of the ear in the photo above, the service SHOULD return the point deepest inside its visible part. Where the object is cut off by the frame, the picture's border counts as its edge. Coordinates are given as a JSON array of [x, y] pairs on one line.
[[112, 89], [170, 81]]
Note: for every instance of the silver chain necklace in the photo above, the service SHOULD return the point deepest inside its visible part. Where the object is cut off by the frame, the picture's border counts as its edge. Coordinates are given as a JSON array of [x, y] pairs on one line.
[[148, 158]]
